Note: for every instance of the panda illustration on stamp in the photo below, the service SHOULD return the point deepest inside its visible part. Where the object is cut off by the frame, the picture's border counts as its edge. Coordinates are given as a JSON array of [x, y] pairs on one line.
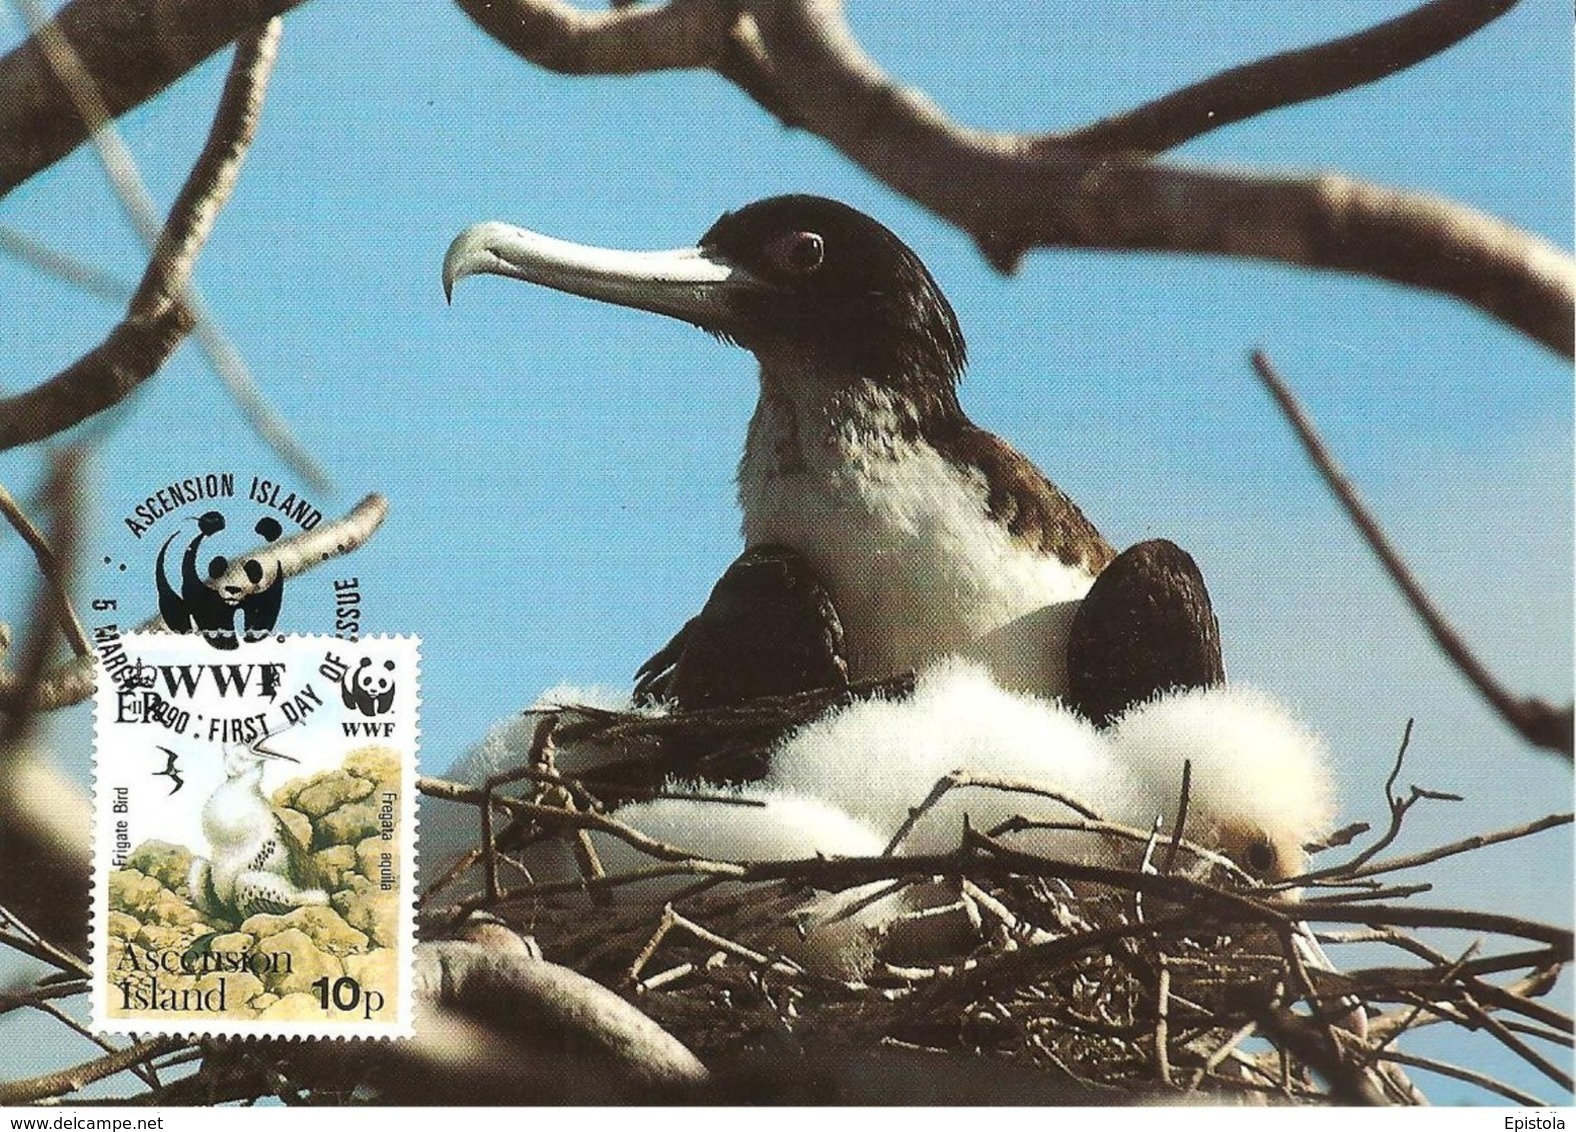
[[369, 688]]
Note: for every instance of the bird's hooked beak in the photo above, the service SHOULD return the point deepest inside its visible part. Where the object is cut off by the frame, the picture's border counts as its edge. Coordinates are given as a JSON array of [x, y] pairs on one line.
[[693, 284], [261, 749]]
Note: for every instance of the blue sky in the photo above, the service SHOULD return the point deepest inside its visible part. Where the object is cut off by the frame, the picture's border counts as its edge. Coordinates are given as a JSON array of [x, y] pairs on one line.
[[560, 472]]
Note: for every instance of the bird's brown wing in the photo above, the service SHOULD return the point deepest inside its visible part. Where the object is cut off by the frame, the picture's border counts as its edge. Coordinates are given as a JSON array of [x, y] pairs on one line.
[[1147, 626], [287, 824], [768, 629], [1034, 510]]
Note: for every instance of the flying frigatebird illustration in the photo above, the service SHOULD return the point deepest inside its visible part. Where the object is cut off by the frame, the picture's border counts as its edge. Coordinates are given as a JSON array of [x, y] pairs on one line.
[[170, 770]]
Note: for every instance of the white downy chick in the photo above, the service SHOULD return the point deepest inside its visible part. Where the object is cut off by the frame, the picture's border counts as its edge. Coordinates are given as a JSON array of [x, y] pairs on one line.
[[1261, 786], [449, 829], [877, 759]]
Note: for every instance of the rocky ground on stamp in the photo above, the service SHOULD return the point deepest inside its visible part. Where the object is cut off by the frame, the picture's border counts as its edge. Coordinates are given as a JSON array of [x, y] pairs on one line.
[[335, 813]]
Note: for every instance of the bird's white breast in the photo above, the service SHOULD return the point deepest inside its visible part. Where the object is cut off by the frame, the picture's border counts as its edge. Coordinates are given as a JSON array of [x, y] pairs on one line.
[[237, 816], [902, 537]]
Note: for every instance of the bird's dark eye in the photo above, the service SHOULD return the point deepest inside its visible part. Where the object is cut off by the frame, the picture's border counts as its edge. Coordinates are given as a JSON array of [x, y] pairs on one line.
[[797, 253], [1261, 857]]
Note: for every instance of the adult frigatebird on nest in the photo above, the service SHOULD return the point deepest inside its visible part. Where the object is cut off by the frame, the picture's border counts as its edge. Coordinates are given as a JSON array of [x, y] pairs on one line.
[[883, 529]]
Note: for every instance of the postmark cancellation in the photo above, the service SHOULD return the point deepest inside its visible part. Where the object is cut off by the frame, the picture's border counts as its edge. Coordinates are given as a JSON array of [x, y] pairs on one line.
[[254, 840]]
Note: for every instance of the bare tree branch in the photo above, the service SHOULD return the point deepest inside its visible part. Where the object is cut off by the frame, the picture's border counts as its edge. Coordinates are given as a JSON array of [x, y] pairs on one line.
[[43, 820], [1535, 720], [62, 494], [130, 56], [135, 199], [65, 1081], [72, 683], [157, 318], [1012, 195], [79, 273], [1465, 845], [49, 569], [624, 41], [1291, 77], [800, 61]]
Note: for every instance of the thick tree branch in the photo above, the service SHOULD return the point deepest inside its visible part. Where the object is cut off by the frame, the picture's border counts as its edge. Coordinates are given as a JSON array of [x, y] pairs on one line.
[[131, 51], [1011, 194], [158, 318], [622, 41], [138, 204], [1536, 721], [1291, 77], [798, 59]]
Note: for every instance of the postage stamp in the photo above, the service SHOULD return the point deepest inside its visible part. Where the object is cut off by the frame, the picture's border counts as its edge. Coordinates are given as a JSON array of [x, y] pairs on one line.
[[255, 835]]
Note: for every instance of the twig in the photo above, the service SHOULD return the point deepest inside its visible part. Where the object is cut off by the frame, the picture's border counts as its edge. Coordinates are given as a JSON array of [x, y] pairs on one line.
[[737, 950], [86, 277], [960, 779], [1163, 1023], [1292, 77], [41, 993], [34, 944], [489, 846], [644, 955], [49, 568], [1393, 892], [1448, 975], [1536, 721], [62, 495], [143, 1071], [1019, 824], [1242, 1034], [1181, 823], [574, 819], [31, 1089], [1532, 1057], [1398, 810], [1343, 836], [1472, 1077], [1404, 916], [1465, 845]]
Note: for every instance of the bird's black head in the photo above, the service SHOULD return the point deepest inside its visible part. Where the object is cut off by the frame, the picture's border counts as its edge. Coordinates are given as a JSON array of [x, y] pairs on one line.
[[838, 285], [796, 276]]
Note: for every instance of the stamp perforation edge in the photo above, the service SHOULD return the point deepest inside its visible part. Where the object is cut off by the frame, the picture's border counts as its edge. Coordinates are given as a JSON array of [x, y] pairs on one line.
[[198, 754]]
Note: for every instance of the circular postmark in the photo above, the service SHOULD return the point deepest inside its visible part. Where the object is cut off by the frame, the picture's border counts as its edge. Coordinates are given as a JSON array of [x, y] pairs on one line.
[[213, 553]]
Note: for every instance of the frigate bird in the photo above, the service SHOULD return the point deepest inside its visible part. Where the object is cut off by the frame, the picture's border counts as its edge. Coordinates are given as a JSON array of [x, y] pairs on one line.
[[171, 769], [874, 510], [258, 864]]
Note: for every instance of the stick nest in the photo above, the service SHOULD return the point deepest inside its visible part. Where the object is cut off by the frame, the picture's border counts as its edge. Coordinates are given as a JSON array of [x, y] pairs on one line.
[[1174, 974]]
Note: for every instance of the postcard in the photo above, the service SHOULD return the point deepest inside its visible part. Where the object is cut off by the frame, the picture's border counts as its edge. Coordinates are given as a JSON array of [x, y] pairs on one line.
[[786, 553]]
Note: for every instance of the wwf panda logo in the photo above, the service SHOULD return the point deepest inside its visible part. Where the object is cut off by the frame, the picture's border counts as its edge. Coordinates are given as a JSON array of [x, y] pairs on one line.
[[202, 605], [369, 688]]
